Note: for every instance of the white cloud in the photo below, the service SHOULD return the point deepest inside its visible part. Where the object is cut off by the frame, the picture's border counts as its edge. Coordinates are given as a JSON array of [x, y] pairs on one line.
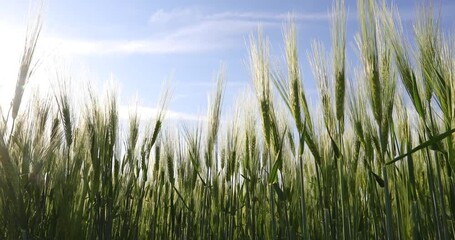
[[271, 17], [151, 113], [140, 46], [163, 17], [194, 32], [201, 35], [233, 84]]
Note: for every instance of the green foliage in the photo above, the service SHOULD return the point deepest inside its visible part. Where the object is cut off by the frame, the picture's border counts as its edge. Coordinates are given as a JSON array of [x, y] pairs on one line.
[[369, 165]]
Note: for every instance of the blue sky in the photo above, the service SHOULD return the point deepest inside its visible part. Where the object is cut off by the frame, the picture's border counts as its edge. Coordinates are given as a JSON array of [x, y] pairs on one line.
[[144, 43]]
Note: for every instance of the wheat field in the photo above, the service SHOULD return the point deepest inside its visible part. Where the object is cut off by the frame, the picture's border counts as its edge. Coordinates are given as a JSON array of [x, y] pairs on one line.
[[375, 162]]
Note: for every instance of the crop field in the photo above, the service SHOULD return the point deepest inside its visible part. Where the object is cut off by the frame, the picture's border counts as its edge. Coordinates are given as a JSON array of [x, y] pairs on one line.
[[373, 159]]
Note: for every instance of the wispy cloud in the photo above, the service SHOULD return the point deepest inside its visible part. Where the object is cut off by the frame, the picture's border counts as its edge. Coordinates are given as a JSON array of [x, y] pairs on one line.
[[271, 17], [202, 37], [229, 84], [150, 113], [135, 46], [161, 17], [187, 30]]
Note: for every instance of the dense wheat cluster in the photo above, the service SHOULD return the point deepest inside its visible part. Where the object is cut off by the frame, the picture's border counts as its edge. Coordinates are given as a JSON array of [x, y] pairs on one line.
[[376, 162]]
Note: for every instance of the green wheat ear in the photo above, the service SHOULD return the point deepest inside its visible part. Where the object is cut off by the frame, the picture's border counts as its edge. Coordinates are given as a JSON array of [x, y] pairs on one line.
[[214, 117], [339, 49]]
